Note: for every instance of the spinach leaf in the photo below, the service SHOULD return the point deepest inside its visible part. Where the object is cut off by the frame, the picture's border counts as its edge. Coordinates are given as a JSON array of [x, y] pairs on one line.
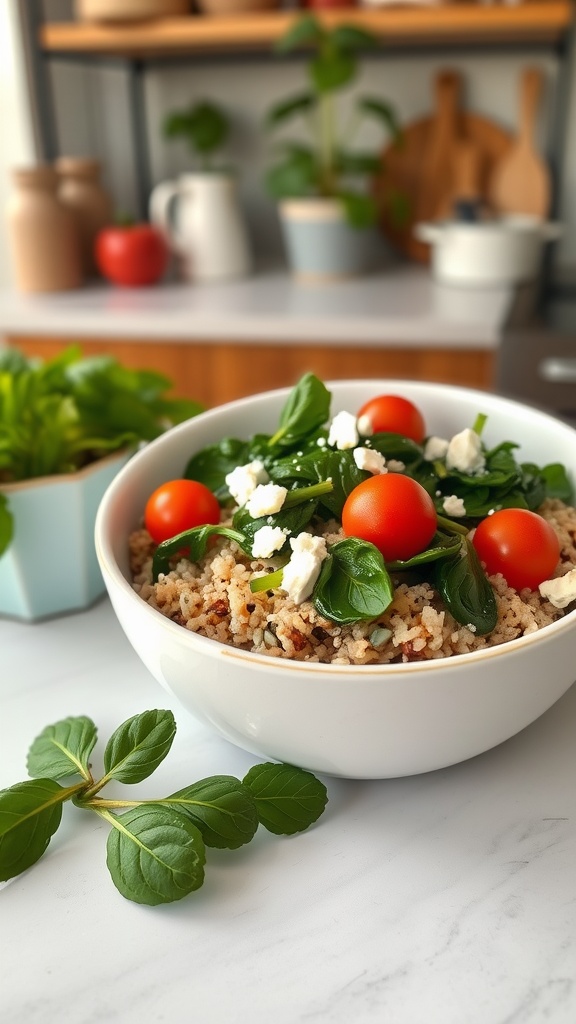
[[441, 546], [291, 520], [320, 465], [195, 543], [307, 408], [211, 465], [557, 483], [353, 583], [466, 591]]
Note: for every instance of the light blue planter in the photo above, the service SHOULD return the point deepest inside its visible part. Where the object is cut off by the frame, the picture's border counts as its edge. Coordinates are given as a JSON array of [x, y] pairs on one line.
[[51, 565], [320, 244]]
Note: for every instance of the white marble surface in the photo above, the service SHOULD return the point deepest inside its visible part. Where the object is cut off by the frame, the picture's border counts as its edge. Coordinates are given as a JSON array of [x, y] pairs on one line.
[[448, 898], [400, 305]]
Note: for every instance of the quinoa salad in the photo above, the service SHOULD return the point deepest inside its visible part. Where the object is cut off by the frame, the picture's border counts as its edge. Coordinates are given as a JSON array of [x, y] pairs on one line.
[[359, 539]]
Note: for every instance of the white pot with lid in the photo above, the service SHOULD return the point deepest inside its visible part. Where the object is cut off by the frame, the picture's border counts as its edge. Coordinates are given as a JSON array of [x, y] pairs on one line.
[[488, 252]]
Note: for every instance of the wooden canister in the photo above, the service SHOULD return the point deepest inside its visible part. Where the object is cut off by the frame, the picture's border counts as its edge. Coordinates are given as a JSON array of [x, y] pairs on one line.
[[81, 191], [43, 237]]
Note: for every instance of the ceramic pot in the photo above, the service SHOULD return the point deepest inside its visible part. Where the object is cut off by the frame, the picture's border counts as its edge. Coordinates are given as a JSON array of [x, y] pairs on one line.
[[203, 223], [129, 10], [50, 566], [43, 235], [320, 244], [80, 190], [487, 253]]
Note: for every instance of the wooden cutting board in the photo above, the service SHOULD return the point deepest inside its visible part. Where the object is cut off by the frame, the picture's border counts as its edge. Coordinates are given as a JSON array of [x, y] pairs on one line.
[[409, 178], [520, 182]]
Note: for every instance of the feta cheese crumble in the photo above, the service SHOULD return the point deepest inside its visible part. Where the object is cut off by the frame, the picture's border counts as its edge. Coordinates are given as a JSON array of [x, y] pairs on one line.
[[435, 448], [364, 425], [243, 480], [560, 591], [464, 452], [267, 540], [370, 460], [343, 433], [303, 569], [265, 500], [454, 506]]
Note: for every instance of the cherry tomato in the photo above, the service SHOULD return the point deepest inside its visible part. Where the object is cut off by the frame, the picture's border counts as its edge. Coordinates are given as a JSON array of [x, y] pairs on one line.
[[394, 415], [177, 506], [519, 544], [132, 255], [392, 511]]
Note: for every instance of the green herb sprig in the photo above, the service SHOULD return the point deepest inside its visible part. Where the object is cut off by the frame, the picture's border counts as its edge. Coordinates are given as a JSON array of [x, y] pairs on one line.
[[156, 849]]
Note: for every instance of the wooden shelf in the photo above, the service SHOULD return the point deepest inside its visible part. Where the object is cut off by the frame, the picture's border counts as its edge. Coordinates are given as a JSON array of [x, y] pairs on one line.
[[537, 21]]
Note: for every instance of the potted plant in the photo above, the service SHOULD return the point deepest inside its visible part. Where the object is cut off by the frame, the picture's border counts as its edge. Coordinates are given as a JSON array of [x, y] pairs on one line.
[[67, 425], [326, 203], [200, 213]]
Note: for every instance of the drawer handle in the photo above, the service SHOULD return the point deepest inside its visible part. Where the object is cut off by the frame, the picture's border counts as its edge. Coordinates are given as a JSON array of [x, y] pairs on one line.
[[558, 370]]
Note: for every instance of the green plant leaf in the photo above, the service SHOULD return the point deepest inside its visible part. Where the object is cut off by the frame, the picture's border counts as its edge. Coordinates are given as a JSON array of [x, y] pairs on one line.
[[222, 808], [63, 749], [361, 210], [350, 37], [30, 813], [466, 591], [138, 746], [295, 175], [383, 112], [6, 524], [154, 854], [288, 799], [332, 70], [305, 31], [322, 463], [307, 408], [286, 109], [195, 543], [354, 583], [205, 126]]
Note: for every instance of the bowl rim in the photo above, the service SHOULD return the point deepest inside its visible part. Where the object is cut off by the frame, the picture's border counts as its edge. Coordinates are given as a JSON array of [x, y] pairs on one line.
[[261, 662]]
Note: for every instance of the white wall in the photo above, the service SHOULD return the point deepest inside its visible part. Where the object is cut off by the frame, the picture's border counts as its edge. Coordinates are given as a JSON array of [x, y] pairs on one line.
[[17, 137]]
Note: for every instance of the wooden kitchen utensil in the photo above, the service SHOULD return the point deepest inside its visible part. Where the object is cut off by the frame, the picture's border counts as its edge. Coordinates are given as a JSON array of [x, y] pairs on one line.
[[400, 186], [436, 181], [521, 180]]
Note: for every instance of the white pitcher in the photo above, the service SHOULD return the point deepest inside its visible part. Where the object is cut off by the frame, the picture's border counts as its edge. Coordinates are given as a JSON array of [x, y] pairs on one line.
[[201, 218]]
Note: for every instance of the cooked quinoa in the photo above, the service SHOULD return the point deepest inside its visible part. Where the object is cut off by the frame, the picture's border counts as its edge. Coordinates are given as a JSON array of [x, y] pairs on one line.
[[213, 598]]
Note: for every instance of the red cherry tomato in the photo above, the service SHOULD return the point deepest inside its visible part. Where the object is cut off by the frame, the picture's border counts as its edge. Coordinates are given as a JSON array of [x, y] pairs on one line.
[[395, 415], [392, 511], [177, 506], [519, 544], [132, 256]]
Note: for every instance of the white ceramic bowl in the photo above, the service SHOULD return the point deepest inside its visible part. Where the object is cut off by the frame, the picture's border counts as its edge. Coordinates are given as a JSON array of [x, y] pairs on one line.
[[357, 722]]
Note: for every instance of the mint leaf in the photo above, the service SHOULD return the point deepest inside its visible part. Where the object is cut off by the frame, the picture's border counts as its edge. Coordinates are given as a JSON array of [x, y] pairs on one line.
[[222, 808], [30, 813], [288, 799], [63, 749], [138, 746], [154, 854]]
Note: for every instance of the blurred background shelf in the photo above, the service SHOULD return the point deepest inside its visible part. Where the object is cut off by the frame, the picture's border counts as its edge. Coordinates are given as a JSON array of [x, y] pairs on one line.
[[542, 21]]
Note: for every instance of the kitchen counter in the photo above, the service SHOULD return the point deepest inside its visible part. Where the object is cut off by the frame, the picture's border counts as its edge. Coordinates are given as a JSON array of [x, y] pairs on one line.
[[446, 898], [401, 305]]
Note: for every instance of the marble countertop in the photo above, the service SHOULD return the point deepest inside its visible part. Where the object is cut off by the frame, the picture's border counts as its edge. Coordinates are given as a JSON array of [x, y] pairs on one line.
[[446, 898], [401, 305]]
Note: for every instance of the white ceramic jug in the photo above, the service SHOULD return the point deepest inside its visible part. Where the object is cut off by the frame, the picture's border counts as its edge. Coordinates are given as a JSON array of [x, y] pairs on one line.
[[202, 220]]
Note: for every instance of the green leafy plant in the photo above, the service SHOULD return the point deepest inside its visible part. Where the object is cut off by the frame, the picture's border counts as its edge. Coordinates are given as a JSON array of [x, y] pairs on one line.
[[329, 167], [204, 126], [62, 414], [156, 849]]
